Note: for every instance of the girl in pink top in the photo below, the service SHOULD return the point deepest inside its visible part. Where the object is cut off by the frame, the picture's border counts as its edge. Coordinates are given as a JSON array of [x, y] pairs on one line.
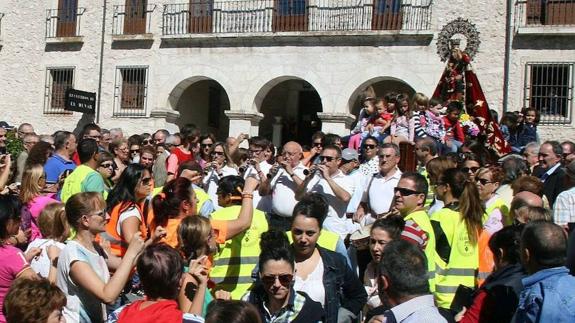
[[33, 183]]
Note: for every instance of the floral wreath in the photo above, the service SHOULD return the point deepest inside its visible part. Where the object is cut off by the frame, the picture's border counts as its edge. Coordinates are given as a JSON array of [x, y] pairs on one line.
[[458, 26]]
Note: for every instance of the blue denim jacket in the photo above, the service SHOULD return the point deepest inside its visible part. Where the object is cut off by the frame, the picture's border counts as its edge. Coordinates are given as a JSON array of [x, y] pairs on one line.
[[547, 296]]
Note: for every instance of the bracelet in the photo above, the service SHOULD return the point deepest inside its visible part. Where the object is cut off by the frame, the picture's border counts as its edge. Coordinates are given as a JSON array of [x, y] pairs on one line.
[[247, 195]]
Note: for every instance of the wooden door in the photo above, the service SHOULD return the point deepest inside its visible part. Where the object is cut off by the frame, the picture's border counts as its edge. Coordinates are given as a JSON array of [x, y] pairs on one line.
[[201, 13], [535, 12], [560, 12], [290, 15], [386, 15], [135, 17], [67, 14]]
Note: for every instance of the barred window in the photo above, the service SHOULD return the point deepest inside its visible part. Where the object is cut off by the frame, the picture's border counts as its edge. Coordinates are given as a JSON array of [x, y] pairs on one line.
[[131, 91], [58, 81], [549, 89]]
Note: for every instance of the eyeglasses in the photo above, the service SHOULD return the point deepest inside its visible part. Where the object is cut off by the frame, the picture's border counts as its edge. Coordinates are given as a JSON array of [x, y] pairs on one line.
[[369, 146], [219, 153], [133, 151], [206, 145], [405, 191], [101, 213], [146, 181], [483, 181], [285, 279], [107, 165], [470, 169], [326, 158], [147, 142], [317, 144]]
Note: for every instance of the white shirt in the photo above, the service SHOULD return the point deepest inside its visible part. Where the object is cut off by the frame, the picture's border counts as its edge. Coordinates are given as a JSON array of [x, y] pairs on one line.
[[313, 285], [380, 192], [211, 182], [260, 203], [336, 221], [564, 207], [283, 190], [81, 305], [41, 264]]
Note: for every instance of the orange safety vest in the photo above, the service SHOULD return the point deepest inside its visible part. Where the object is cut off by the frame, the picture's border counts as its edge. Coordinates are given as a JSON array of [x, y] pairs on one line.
[[486, 261], [117, 242]]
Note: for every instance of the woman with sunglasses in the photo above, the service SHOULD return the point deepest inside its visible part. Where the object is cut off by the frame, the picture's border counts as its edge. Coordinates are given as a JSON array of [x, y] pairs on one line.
[[127, 208], [206, 144], [322, 274], [457, 227], [274, 295], [370, 160], [470, 164], [83, 273], [106, 169], [220, 165]]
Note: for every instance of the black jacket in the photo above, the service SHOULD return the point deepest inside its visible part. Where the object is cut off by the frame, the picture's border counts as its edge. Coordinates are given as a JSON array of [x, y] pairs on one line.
[[553, 185], [310, 312]]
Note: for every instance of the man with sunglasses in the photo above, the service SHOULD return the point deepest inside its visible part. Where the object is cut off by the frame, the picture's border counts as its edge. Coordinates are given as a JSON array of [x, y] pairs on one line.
[[410, 195], [327, 179], [85, 178], [259, 168]]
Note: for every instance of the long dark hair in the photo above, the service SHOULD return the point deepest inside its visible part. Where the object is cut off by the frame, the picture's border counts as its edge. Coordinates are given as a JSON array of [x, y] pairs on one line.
[[167, 204], [123, 192], [470, 207], [9, 210], [275, 245]]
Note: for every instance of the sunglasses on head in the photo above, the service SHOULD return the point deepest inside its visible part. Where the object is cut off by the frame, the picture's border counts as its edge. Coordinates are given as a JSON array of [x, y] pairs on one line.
[[483, 181], [285, 279], [468, 169], [328, 158], [405, 191]]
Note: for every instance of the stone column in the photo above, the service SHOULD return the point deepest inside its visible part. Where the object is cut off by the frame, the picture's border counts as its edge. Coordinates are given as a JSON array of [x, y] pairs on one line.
[[242, 121], [336, 122], [277, 131]]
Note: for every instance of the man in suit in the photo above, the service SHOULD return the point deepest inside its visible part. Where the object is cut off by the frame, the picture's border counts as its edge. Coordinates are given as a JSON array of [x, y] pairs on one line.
[[550, 171]]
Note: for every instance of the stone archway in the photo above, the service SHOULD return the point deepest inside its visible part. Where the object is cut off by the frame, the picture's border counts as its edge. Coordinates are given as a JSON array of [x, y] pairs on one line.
[[381, 85], [290, 107], [202, 101]]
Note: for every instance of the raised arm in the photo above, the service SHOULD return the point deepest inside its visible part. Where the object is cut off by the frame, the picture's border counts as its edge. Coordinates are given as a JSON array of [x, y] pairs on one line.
[[244, 220]]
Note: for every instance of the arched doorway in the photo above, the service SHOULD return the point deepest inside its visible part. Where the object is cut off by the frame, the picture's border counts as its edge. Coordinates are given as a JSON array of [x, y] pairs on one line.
[[290, 109], [381, 86], [203, 103]]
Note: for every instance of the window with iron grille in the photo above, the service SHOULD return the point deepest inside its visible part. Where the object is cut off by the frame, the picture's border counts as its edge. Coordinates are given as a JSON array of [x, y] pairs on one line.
[[549, 89], [131, 91], [58, 80]]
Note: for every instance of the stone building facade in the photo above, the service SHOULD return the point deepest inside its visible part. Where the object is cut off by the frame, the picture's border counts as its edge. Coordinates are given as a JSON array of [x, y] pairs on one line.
[[279, 68]]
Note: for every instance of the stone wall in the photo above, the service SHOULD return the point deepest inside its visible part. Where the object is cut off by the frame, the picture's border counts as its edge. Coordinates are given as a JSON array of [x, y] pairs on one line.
[[338, 65]]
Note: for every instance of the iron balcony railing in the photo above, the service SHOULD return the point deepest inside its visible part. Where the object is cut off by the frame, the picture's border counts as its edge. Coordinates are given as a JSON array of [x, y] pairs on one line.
[[64, 22], [132, 20], [259, 16], [538, 13]]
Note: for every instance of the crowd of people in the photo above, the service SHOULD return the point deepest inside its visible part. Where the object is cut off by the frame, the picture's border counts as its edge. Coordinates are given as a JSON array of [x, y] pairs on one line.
[[410, 218]]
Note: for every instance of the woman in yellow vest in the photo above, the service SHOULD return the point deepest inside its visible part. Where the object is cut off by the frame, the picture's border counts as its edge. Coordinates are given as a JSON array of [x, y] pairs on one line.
[[457, 227], [238, 255], [496, 215], [125, 206]]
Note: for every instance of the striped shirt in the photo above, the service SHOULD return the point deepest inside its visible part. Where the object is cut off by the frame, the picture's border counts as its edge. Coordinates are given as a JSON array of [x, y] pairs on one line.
[[413, 233]]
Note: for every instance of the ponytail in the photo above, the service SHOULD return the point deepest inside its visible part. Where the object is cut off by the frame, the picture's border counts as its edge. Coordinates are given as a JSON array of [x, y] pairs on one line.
[[166, 205]]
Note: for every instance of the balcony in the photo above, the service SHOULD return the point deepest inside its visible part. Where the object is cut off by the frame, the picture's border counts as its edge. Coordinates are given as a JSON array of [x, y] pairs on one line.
[[132, 23], [545, 17], [301, 18], [63, 25]]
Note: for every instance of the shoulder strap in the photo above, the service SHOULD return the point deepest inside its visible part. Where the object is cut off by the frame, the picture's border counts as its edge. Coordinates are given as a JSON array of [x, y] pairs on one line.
[[442, 246]]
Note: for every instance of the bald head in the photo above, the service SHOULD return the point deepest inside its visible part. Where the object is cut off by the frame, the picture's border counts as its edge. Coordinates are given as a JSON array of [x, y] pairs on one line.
[[292, 153], [521, 201]]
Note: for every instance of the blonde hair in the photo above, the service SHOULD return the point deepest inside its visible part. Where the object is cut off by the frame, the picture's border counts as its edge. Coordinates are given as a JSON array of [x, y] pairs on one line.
[[30, 187], [193, 234], [420, 99], [83, 204], [52, 222]]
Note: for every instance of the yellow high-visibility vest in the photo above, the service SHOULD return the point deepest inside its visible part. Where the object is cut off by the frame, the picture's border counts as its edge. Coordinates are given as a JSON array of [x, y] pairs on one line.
[[422, 220]]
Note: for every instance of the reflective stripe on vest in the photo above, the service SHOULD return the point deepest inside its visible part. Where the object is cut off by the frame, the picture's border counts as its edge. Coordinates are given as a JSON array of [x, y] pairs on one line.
[[422, 220], [463, 261], [237, 257]]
